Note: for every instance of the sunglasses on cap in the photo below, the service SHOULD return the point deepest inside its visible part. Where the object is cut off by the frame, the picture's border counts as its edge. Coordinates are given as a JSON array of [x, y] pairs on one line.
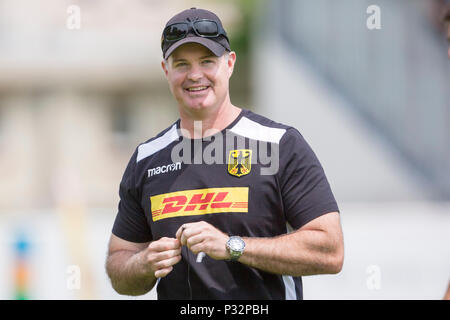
[[203, 28]]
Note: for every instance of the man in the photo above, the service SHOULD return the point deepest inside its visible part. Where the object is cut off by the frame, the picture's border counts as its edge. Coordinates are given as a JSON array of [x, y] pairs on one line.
[[446, 19], [219, 230]]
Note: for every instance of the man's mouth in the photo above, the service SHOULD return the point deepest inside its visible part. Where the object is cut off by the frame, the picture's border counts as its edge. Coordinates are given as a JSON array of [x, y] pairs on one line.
[[197, 89]]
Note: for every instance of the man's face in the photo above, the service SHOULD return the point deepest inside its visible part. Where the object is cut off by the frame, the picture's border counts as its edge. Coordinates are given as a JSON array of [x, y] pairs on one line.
[[197, 78]]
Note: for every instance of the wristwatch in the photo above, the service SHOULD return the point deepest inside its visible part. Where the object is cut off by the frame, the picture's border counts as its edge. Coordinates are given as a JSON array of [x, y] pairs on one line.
[[235, 246]]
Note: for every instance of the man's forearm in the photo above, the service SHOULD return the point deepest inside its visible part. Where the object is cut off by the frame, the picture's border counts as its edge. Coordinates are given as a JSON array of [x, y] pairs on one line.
[[127, 274], [304, 252]]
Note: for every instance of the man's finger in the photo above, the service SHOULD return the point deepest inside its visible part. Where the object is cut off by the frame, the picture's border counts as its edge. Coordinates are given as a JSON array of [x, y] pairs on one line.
[[193, 240], [198, 226], [168, 262], [198, 248], [163, 255], [165, 244], [179, 232], [161, 273], [189, 233]]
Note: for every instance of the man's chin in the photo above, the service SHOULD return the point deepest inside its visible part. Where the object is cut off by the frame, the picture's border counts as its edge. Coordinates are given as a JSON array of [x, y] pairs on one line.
[[198, 107]]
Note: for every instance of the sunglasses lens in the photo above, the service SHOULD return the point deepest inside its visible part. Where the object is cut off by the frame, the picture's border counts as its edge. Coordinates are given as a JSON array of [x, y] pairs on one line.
[[207, 28], [176, 31]]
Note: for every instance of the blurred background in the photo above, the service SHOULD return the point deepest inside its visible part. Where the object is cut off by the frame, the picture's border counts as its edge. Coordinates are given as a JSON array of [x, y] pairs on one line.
[[81, 86]]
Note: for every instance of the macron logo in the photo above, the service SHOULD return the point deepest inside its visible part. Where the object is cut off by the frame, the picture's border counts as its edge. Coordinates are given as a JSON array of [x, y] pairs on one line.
[[164, 169]]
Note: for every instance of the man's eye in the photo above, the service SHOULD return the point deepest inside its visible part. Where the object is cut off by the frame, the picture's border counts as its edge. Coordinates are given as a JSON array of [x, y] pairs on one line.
[[181, 64], [207, 61]]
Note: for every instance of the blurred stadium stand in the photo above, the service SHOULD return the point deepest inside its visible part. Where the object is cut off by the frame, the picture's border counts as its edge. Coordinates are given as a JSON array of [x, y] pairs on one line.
[[374, 105], [393, 82]]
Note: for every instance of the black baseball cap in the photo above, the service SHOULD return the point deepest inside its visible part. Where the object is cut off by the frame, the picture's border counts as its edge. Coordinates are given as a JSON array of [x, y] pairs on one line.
[[216, 45]]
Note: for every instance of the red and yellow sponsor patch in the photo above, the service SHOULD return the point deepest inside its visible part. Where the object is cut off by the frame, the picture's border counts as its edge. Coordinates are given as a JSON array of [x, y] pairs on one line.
[[198, 202]]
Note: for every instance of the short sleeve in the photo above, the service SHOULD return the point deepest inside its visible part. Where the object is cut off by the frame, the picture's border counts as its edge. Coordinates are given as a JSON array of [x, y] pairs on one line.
[[305, 190], [130, 223]]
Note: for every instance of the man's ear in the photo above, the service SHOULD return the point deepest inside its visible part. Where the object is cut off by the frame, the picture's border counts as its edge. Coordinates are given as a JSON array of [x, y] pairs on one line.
[[165, 65], [231, 61]]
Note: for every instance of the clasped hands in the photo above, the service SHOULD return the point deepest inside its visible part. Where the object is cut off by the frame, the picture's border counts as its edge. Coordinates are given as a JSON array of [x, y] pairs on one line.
[[160, 255]]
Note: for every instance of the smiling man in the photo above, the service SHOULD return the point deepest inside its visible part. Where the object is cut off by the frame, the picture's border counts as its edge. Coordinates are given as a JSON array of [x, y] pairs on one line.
[[228, 229]]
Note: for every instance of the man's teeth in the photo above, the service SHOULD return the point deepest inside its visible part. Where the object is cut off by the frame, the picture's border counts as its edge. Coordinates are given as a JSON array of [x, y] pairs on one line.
[[197, 89]]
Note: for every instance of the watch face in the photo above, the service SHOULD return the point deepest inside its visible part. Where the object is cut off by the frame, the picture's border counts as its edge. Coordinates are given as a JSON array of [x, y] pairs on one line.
[[236, 244]]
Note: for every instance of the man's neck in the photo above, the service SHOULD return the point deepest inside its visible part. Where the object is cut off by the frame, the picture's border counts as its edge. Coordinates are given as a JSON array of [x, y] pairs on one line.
[[208, 122]]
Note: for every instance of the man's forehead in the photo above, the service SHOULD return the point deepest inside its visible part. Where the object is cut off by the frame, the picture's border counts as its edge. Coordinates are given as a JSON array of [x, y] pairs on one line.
[[191, 50]]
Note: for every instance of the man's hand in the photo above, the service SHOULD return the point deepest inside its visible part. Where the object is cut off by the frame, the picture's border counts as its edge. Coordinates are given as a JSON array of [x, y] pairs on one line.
[[134, 267], [203, 237], [161, 255]]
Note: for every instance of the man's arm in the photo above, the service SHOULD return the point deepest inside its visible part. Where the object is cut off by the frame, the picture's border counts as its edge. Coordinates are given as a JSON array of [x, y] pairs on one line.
[[134, 267], [315, 248]]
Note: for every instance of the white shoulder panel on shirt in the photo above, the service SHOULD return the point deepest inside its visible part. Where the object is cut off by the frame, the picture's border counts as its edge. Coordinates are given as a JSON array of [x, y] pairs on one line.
[[253, 130], [147, 149]]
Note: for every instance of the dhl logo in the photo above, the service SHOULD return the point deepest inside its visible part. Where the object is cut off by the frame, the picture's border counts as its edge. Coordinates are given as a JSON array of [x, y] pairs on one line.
[[198, 202]]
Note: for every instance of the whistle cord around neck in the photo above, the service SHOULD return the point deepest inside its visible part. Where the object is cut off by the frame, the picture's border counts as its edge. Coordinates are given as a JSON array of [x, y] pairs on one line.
[[188, 273]]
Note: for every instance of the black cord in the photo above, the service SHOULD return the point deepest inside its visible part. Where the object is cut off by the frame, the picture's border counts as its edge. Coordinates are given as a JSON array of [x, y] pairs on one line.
[[188, 273]]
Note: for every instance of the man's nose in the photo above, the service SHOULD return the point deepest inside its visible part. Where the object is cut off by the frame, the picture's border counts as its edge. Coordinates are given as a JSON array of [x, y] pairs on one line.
[[195, 73]]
